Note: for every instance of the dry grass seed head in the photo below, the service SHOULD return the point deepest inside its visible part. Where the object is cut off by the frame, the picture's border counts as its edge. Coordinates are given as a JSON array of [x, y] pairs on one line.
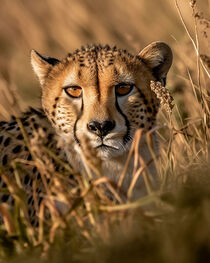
[[162, 94]]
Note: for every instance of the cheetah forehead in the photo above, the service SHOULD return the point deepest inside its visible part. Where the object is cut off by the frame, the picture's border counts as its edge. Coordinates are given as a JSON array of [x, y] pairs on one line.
[[91, 62], [103, 55]]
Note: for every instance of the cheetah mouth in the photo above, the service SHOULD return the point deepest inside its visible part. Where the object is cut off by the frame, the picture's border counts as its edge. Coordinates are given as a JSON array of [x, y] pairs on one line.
[[105, 146]]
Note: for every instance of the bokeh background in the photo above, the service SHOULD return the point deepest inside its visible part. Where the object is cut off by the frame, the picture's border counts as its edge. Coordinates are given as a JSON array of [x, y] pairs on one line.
[[56, 27]]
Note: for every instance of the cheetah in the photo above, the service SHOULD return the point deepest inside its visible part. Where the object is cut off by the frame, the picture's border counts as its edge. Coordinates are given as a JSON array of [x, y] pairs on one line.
[[97, 93]]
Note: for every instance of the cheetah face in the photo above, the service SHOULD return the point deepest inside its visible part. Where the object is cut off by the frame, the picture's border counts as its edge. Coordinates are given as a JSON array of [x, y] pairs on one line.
[[100, 95]]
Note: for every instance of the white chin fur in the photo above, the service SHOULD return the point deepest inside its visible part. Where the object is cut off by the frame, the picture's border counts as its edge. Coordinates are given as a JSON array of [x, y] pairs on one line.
[[116, 148], [106, 153], [112, 148]]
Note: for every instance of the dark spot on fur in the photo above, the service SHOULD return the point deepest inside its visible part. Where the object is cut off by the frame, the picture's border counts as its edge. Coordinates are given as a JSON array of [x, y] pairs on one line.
[[53, 121], [30, 182], [4, 160], [12, 123], [29, 158], [1, 138], [149, 109], [3, 122], [40, 200], [17, 149], [142, 117], [30, 199], [26, 148], [10, 128], [71, 176], [53, 113], [5, 198], [142, 125], [26, 123], [50, 136], [7, 141], [36, 126], [20, 137], [146, 102], [25, 118], [54, 106], [26, 179], [38, 176]]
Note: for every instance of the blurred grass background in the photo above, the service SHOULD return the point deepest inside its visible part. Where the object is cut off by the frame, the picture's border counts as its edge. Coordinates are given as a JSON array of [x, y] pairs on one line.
[[178, 230]]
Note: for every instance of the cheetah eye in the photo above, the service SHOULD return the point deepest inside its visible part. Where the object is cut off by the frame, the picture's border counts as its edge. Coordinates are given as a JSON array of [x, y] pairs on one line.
[[73, 91], [123, 89]]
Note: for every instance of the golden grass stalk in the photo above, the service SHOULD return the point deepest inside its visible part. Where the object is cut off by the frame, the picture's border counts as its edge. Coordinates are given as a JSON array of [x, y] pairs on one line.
[[192, 3]]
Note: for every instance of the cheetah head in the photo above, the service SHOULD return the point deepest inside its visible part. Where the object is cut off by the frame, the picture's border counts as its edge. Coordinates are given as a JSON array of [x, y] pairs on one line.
[[102, 94]]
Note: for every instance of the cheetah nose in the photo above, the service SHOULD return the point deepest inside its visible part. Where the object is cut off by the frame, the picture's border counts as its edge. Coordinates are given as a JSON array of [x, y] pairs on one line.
[[101, 128]]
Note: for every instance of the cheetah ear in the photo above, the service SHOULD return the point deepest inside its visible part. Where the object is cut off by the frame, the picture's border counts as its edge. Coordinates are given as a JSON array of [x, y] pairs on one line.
[[41, 64], [158, 56]]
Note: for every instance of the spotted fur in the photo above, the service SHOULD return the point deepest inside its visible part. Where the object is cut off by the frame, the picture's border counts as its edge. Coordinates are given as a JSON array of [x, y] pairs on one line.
[[97, 70]]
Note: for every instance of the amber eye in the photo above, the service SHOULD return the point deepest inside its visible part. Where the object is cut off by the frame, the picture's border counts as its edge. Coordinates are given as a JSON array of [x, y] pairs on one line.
[[123, 89], [73, 91]]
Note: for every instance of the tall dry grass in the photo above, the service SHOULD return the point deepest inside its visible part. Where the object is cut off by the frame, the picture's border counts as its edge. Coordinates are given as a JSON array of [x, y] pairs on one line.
[[91, 226]]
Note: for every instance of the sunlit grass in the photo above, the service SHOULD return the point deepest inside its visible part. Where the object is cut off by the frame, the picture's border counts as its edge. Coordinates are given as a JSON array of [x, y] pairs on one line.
[[170, 223]]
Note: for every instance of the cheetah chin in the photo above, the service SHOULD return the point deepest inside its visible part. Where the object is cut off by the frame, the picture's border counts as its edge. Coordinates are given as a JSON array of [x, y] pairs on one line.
[[110, 149]]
